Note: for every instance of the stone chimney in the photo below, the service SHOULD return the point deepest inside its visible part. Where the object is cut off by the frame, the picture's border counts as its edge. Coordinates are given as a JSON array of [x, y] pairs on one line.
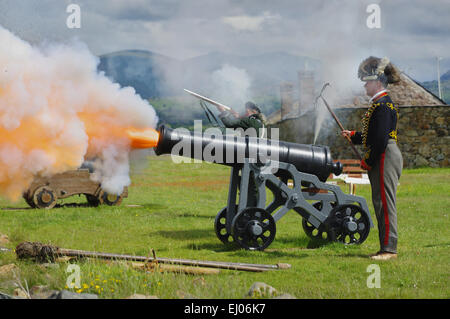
[[306, 89], [287, 100]]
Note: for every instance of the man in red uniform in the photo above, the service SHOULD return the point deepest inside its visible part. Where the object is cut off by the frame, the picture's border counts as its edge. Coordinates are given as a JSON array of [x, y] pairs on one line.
[[382, 158]]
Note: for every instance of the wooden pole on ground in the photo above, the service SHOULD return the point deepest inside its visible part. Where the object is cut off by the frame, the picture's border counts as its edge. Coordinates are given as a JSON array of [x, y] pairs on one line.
[[45, 252]]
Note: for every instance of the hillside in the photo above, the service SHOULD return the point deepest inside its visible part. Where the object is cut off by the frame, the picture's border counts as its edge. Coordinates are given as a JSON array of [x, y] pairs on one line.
[[266, 71], [446, 76], [230, 79], [445, 86], [182, 111], [138, 69], [156, 76]]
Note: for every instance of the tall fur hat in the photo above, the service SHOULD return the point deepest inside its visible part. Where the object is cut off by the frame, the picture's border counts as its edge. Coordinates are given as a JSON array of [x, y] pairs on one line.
[[374, 68]]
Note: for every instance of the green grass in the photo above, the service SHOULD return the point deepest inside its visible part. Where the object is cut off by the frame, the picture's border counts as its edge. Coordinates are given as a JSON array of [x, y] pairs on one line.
[[175, 217]]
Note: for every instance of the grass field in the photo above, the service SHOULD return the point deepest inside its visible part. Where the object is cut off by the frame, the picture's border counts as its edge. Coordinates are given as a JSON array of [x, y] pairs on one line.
[[172, 210]]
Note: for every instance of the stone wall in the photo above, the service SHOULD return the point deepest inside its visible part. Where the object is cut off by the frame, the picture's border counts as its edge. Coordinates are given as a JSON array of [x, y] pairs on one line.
[[423, 133]]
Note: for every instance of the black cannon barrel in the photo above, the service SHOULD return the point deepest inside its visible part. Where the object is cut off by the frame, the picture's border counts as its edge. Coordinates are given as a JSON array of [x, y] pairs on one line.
[[232, 150]]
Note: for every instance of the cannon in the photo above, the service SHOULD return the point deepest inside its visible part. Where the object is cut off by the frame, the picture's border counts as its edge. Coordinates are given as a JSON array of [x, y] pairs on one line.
[[44, 192], [296, 175]]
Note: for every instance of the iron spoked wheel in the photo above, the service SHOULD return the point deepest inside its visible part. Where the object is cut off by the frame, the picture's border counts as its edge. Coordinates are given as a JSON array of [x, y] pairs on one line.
[[44, 197], [348, 224], [254, 228], [316, 233], [220, 226]]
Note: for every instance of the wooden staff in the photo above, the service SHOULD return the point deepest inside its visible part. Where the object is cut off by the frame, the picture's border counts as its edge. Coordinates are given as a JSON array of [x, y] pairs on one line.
[[339, 123], [43, 252]]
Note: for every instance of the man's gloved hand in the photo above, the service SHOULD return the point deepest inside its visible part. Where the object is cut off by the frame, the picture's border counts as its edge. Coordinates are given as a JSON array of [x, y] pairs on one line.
[[347, 133]]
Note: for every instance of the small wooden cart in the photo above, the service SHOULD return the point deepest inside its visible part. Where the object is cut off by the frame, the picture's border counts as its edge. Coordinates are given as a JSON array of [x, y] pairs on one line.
[[44, 192]]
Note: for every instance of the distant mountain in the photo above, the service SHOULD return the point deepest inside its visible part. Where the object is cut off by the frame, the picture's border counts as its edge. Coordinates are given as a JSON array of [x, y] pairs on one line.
[[445, 86], [154, 75], [138, 69], [265, 70], [446, 76]]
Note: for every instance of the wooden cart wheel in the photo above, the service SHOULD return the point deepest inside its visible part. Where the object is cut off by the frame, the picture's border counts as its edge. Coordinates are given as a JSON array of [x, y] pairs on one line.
[[92, 200], [109, 199], [44, 197], [28, 199]]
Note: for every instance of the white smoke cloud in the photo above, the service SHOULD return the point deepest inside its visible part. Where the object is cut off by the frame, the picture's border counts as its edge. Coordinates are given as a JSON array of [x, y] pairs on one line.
[[413, 32], [250, 23], [231, 86], [112, 170], [56, 110]]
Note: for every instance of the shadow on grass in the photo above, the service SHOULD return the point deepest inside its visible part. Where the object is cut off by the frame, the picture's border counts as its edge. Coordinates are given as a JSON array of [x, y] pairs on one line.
[[287, 254], [72, 205], [217, 247], [196, 215], [127, 205], [350, 255], [148, 206], [16, 208], [62, 205], [241, 252], [437, 245], [303, 242], [292, 250], [293, 245], [183, 234], [314, 244]]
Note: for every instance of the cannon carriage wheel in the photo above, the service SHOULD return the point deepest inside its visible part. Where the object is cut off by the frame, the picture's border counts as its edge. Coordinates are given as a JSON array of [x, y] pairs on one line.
[[104, 198], [220, 226], [311, 231], [43, 197], [315, 233], [348, 224], [253, 228]]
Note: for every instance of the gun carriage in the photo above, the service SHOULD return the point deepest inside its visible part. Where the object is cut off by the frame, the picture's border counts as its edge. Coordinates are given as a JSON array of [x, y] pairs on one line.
[[296, 176]]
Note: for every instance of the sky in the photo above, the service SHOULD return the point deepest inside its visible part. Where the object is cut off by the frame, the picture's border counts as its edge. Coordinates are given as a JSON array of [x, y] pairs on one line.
[[412, 33]]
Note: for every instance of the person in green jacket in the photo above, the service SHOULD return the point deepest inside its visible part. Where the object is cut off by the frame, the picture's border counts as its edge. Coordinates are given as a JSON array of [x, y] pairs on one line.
[[252, 118]]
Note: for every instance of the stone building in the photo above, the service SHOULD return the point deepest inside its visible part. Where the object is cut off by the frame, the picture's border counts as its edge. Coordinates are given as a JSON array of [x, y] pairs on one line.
[[423, 127]]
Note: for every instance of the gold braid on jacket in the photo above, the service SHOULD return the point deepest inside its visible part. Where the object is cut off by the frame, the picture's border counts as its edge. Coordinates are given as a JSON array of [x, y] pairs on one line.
[[366, 120]]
